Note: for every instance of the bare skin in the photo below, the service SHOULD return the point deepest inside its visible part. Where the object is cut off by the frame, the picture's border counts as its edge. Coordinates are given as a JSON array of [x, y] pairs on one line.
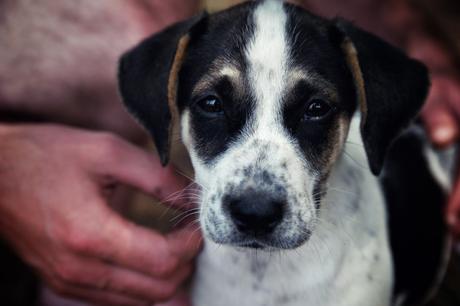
[[63, 226], [61, 60], [441, 114]]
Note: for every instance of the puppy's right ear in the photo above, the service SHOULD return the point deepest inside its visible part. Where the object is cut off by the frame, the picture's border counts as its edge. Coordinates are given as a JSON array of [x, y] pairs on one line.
[[148, 79]]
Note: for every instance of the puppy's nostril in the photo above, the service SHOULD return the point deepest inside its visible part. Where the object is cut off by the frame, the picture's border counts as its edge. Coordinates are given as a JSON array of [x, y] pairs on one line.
[[256, 214]]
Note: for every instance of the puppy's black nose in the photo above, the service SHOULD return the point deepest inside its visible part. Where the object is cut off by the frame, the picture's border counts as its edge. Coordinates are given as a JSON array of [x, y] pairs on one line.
[[255, 213]]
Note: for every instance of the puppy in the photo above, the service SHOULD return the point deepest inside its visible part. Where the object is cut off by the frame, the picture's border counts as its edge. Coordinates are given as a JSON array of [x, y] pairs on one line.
[[281, 111]]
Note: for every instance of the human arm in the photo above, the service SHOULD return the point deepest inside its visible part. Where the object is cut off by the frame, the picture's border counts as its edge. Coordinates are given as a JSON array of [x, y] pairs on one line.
[[54, 211]]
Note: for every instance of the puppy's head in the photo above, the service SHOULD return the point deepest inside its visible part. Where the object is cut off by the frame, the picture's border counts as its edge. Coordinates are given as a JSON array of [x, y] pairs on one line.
[[264, 93]]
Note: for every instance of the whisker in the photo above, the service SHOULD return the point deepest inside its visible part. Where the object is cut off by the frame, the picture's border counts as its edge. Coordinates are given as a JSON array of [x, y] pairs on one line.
[[185, 217], [355, 161], [344, 191], [192, 210], [354, 143]]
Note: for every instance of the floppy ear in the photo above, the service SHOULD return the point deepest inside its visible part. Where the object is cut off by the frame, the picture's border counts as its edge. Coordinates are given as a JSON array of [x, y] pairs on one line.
[[391, 89], [148, 77]]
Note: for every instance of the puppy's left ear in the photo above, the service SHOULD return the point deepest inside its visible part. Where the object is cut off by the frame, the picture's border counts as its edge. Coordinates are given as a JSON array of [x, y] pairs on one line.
[[391, 88], [148, 80]]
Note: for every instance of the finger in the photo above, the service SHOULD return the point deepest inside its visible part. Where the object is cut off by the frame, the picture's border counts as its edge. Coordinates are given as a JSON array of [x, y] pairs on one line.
[[93, 274], [186, 242], [132, 165], [143, 287], [94, 296], [134, 247], [441, 125], [453, 211], [453, 96], [181, 299]]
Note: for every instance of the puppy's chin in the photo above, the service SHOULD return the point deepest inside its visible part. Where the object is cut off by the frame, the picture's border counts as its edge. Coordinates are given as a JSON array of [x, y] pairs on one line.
[[272, 243]]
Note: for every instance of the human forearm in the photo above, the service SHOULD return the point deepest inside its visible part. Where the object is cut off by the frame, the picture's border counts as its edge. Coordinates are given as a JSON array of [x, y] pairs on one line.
[[59, 63]]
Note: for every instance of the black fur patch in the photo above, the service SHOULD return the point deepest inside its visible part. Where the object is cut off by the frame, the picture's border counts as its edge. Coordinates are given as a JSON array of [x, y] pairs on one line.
[[224, 39], [415, 202], [396, 87]]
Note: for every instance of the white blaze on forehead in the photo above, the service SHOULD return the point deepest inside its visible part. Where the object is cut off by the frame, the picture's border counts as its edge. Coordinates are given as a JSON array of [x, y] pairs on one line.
[[264, 146], [267, 55]]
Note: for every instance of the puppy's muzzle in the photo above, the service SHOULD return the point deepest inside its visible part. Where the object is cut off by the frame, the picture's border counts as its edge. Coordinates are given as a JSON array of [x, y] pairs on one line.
[[255, 214]]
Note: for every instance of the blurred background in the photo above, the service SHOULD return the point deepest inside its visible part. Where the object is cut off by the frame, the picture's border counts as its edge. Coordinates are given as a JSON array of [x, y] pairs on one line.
[[440, 16]]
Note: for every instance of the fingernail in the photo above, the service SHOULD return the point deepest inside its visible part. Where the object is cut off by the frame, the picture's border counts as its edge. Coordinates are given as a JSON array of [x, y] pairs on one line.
[[451, 220], [443, 133]]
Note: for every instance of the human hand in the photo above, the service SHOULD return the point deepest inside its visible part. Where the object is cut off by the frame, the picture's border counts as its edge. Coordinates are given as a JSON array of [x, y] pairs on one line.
[[54, 212], [441, 113], [441, 116]]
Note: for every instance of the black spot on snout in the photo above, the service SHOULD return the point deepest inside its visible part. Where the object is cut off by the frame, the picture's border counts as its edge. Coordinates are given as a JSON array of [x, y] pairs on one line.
[[254, 212]]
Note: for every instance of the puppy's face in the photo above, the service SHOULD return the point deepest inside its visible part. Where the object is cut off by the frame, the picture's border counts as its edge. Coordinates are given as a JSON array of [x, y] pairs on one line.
[[264, 121], [264, 93]]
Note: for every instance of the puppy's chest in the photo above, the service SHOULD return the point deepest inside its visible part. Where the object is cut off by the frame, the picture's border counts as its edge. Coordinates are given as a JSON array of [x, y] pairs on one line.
[[337, 268], [326, 278]]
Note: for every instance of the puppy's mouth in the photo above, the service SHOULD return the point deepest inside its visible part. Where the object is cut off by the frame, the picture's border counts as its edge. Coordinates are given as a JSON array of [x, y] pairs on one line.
[[274, 242], [255, 244], [251, 245]]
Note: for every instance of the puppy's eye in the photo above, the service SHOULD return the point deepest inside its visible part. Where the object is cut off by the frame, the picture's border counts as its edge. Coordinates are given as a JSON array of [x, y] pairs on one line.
[[317, 109], [211, 105]]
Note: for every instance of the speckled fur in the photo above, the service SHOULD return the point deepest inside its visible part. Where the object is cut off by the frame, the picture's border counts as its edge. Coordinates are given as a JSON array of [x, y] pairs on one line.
[[335, 256], [345, 262]]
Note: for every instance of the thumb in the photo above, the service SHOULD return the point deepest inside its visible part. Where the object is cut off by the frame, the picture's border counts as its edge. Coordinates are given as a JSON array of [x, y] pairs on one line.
[[134, 166], [440, 124], [437, 115]]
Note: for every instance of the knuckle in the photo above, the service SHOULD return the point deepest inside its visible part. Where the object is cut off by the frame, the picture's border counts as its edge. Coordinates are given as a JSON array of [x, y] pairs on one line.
[[66, 273], [106, 137], [188, 271], [79, 242], [166, 267], [104, 282], [166, 293], [109, 144], [60, 288]]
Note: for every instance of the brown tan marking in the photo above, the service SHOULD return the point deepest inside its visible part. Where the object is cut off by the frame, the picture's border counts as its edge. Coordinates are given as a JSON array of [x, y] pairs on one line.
[[327, 88], [173, 81], [220, 68], [351, 56]]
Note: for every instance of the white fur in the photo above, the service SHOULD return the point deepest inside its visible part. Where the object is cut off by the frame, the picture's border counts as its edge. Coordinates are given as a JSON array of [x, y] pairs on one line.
[[440, 163], [334, 267], [346, 262], [263, 135]]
